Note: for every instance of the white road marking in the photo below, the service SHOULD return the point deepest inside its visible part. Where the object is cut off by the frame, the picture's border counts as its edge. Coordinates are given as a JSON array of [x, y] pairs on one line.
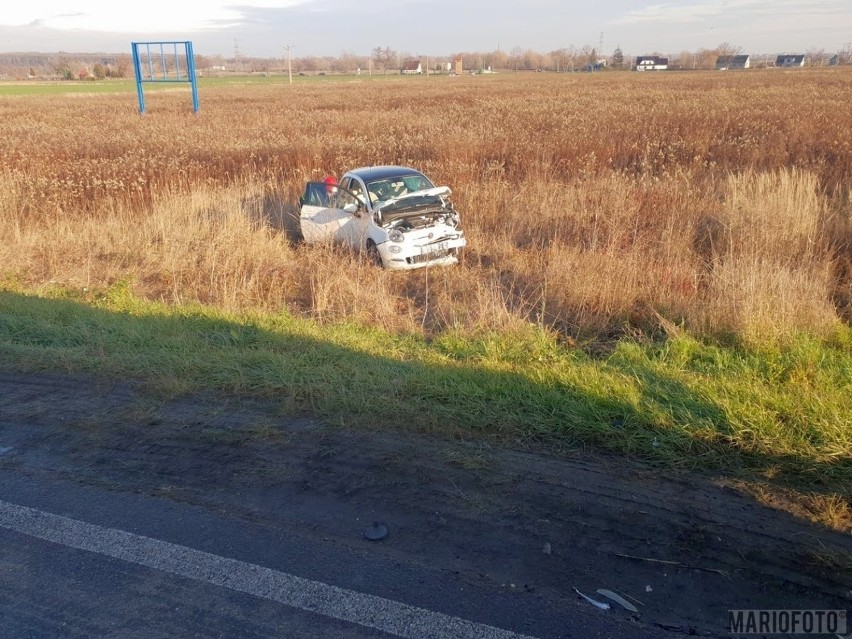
[[382, 614]]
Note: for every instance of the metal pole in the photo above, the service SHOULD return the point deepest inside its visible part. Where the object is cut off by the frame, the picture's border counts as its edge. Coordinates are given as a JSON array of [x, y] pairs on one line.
[[137, 69], [289, 68], [190, 70]]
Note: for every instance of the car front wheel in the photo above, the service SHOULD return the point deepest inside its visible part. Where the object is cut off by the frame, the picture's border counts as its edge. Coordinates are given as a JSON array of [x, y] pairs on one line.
[[373, 255]]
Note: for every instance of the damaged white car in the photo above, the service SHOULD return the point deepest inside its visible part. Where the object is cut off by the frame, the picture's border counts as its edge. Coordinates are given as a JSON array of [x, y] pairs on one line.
[[394, 213]]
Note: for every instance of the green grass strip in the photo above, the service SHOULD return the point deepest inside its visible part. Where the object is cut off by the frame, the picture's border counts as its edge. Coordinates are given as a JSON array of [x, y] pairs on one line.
[[785, 412]]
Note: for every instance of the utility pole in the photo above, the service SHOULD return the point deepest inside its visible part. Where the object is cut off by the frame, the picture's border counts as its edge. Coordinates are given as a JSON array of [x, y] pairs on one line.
[[289, 67], [236, 55]]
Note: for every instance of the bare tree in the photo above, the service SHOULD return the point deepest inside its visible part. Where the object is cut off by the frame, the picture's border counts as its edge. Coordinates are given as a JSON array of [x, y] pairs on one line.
[[515, 57], [581, 58], [380, 58], [496, 60], [815, 57], [589, 54], [308, 64], [728, 49], [571, 58], [391, 59], [348, 61], [385, 58], [705, 58], [532, 60], [559, 59]]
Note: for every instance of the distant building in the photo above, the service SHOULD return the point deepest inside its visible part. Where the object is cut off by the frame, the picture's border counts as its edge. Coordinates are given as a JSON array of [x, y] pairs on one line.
[[411, 67], [459, 65], [725, 62], [790, 60], [651, 63]]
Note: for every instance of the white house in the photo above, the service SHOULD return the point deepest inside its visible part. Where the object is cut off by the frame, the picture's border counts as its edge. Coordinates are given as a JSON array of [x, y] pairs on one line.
[[412, 67], [790, 60], [725, 62], [651, 63]]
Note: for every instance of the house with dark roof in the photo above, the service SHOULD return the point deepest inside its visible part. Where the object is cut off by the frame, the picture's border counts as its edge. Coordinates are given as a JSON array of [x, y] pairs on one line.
[[790, 60], [725, 62], [651, 63], [411, 67]]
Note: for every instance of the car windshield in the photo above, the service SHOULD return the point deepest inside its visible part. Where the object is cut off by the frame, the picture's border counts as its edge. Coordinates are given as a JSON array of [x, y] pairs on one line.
[[392, 187]]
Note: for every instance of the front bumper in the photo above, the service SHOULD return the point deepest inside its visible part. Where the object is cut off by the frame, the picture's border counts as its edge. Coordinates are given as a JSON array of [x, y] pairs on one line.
[[412, 255]]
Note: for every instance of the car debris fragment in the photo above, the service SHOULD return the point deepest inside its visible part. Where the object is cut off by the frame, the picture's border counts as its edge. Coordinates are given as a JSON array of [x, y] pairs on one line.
[[597, 604], [617, 599]]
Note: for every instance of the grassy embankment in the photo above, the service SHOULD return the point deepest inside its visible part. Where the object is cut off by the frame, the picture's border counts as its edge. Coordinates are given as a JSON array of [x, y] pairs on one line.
[[682, 279], [777, 415]]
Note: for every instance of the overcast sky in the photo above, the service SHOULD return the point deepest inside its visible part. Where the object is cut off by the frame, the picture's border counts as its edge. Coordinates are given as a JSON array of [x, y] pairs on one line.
[[261, 28]]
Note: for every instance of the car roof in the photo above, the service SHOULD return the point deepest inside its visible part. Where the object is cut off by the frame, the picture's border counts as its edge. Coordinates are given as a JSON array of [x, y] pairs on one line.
[[373, 173]]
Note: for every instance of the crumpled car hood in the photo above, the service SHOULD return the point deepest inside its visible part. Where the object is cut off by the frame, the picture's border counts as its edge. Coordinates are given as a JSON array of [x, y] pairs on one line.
[[412, 202]]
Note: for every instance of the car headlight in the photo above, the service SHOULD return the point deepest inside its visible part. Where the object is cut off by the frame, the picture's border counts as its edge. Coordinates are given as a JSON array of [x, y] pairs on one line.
[[396, 236], [394, 249]]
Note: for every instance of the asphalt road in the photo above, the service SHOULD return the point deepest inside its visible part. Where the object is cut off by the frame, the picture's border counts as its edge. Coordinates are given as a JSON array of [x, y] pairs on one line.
[[126, 514], [82, 561]]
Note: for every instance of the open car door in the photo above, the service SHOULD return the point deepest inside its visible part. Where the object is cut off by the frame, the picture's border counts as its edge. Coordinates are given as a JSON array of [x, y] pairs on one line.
[[325, 216]]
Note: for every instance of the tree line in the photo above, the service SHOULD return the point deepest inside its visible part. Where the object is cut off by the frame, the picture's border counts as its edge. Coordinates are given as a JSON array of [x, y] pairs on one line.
[[65, 66], [387, 60]]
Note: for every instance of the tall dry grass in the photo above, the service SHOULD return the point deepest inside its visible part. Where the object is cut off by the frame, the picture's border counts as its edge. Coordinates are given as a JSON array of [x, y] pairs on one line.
[[593, 204], [772, 266]]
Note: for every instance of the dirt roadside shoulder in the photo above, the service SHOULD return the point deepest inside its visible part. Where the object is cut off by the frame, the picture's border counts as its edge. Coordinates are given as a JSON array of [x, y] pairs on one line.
[[683, 547]]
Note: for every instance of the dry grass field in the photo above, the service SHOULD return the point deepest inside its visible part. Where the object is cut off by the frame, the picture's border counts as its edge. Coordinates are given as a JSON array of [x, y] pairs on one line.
[[692, 232], [595, 204]]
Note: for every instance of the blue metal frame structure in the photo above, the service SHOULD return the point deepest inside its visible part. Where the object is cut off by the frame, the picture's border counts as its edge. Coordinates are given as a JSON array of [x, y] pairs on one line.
[[142, 53]]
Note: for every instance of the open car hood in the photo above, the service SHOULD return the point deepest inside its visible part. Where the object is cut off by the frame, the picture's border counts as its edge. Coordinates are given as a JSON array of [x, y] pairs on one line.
[[418, 202]]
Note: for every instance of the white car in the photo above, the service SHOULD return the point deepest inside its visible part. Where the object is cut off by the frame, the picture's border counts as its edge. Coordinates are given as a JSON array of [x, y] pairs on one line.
[[394, 213]]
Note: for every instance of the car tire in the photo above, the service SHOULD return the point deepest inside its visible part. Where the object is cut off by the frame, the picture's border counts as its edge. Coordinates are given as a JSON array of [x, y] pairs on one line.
[[373, 255]]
